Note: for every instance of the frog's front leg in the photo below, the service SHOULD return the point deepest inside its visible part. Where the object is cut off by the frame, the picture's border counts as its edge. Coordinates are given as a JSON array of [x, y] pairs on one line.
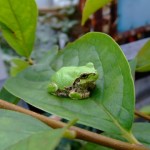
[[52, 88], [79, 95]]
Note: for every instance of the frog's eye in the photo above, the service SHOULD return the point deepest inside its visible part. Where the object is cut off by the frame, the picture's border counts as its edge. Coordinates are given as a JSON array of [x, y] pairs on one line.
[[84, 76]]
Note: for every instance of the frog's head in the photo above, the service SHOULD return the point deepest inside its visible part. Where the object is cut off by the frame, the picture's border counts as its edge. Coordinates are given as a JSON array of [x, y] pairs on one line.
[[88, 74]]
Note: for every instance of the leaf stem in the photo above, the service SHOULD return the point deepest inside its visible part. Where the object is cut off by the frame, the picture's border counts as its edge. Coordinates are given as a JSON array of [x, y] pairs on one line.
[[30, 61], [130, 137], [126, 134], [140, 114], [80, 133], [71, 123]]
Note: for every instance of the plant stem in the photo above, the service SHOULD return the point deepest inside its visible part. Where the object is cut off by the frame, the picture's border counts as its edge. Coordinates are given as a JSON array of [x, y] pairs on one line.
[[80, 133], [140, 114]]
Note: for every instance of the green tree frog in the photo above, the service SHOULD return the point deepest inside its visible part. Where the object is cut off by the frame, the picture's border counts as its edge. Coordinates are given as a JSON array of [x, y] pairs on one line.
[[74, 82]]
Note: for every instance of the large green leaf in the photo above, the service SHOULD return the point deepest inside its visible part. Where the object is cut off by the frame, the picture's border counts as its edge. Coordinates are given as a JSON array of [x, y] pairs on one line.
[[92, 6], [143, 58], [18, 22], [110, 107], [22, 132]]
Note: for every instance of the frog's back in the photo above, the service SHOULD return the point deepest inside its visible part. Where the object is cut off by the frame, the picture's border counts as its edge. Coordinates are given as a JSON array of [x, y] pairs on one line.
[[65, 77]]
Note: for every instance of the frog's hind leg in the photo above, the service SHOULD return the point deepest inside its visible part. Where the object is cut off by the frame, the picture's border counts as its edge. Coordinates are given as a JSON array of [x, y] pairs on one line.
[[78, 95]]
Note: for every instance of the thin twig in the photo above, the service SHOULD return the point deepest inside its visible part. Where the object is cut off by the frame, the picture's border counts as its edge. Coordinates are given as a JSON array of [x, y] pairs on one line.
[[81, 133], [142, 115]]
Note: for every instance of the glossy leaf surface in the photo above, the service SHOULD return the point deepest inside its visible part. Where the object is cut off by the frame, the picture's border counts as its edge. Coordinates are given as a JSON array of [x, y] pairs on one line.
[[18, 23], [110, 107]]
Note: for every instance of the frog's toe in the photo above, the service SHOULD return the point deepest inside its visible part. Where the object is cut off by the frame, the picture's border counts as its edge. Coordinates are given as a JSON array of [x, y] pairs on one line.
[[52, 88]]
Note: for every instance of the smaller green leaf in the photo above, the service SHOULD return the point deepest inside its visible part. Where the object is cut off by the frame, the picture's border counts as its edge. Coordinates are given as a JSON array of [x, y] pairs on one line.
[[7, 96], [143, 69], [18, 21], [47, 140], [18, 65], [92, 6], [143, 58], [23, 132], [15, 127]]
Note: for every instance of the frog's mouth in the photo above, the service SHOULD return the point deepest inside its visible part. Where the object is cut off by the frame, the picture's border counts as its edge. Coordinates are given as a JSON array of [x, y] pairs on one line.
[[93, 77]]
